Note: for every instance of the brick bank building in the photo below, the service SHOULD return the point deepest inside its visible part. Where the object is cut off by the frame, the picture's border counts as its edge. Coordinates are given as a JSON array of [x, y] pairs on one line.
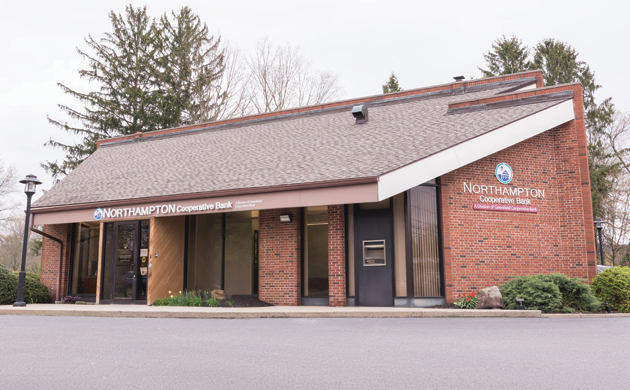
[[404, 199]]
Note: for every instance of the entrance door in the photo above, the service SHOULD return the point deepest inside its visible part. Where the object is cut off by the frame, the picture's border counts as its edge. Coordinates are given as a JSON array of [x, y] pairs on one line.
[[374, 255], [125, 267]]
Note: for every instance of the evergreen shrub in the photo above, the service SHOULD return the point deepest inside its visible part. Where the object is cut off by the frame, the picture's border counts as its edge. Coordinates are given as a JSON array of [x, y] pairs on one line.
[[8, 286], [34, 290], [549, 293], [612, 285]]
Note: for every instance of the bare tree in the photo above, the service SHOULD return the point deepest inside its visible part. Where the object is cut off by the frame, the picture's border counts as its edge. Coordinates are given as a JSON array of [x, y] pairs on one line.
[[280, 78], [616, 234], [11, 241], [618, 138], [8, 178], [230, 95]]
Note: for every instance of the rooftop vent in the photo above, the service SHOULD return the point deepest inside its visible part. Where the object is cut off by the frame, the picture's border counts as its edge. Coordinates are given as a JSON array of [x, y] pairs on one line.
[[360, 113], [459, 78]]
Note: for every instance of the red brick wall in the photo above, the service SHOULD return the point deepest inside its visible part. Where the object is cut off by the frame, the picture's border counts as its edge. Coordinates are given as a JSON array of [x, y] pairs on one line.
[[279, 258], [336, 256], [486, 248], [50, 259]]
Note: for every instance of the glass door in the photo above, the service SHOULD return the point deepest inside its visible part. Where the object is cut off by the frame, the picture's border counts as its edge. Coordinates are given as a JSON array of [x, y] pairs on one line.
[[125, 248]]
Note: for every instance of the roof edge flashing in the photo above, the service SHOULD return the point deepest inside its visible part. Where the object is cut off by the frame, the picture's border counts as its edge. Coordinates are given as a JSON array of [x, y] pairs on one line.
[[450, 87]]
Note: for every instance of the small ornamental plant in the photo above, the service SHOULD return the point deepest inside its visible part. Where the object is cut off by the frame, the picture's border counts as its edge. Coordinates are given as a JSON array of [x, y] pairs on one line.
[[466, 301]]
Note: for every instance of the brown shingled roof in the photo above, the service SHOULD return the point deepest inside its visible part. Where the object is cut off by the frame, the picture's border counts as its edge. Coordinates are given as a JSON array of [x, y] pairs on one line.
[[315, 146]]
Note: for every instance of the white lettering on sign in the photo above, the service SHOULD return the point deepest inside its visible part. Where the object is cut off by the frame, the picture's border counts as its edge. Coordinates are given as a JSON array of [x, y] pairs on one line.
[[503, 191], [132, 212]]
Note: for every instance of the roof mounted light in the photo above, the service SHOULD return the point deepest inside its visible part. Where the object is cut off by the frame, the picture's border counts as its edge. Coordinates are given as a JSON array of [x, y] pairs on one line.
[[360, 112]]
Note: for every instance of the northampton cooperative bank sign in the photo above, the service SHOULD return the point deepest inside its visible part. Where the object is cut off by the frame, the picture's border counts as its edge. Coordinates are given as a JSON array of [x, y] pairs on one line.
[[170, 209], [504, 198]]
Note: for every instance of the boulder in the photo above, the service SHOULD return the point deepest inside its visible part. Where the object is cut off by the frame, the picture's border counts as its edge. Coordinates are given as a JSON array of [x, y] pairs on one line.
[[220, 294], [490, 298]]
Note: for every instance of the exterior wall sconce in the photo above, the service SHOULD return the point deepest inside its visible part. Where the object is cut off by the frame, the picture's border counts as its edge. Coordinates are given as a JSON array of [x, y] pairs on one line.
[[285, 218]]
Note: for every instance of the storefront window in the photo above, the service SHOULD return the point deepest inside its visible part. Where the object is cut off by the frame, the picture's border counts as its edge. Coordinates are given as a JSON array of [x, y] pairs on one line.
[[223, 253], [204, 252], [241, 252], [316, 252], [84, 265], [423, 213], [106, 265]]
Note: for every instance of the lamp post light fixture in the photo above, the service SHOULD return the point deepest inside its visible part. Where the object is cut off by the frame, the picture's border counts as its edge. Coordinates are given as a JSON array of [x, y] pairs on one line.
[[30, 186], [599, 224]]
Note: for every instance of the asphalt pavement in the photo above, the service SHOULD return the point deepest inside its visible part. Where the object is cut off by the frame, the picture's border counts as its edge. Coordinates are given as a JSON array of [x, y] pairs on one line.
[[327, 353]]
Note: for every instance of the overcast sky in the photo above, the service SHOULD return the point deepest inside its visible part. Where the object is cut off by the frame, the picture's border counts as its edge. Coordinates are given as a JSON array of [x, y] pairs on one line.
[[423, 42]]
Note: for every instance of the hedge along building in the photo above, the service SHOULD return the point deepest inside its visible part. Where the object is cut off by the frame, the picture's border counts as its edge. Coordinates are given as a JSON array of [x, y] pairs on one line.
[[405, 199]]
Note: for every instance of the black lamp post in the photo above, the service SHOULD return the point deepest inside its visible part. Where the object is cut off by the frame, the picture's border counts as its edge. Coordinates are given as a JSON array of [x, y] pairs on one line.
[[599, 224], [30, 186]]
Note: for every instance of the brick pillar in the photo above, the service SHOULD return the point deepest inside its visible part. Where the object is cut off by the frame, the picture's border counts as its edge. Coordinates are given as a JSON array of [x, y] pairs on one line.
[[50, 259], [336, 256], [279, 258]]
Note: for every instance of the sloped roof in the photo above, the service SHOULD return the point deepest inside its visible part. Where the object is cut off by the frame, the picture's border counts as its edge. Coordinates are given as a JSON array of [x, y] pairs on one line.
[[316, 146]]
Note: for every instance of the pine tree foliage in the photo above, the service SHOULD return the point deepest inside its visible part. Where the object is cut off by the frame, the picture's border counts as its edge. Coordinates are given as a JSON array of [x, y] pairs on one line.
[[125, 102], [508, 55], [392, 84], [149, 75], [189, 63]]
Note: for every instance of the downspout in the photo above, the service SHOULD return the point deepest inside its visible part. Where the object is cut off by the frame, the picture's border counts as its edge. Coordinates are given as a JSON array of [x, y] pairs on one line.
[[60, 255]]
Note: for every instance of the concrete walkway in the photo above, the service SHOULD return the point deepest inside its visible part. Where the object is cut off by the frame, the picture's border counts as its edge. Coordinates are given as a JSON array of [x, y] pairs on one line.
[[140, 311]]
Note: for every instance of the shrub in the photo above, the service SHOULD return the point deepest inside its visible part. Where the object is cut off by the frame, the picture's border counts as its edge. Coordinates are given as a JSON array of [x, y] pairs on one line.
[[466, 301], [612, 285], [538, 294], [34, 290], [8, 286], [576, 294], [187, 298], [573, 294], [70, 299]]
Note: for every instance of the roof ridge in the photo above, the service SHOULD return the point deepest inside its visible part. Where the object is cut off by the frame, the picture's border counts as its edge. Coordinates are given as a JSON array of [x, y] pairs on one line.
[[514, 77]]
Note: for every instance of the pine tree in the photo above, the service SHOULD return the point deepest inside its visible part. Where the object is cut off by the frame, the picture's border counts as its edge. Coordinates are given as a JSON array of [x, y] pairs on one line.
[[125, 102], [392, 84], [189, 64], [149, 75], [508, 55]]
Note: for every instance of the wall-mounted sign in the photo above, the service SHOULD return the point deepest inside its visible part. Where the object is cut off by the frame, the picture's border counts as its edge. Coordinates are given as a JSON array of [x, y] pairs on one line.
[[504, 198], [165, 209], [504, 207]]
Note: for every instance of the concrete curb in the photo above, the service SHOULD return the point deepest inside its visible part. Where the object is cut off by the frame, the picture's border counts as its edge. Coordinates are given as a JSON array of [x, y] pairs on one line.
[[585, 315], [275, 312]]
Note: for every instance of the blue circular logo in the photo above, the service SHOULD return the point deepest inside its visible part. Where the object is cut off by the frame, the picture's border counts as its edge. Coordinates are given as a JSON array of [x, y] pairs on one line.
[[98, 214], [504, 173]]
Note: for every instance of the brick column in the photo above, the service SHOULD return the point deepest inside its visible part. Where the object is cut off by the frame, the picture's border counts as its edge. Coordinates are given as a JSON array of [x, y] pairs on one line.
[[336, 256], [50, 259], [279, 258]]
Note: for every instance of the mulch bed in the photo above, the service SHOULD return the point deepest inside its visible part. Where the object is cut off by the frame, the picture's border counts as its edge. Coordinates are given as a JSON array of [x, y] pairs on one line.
[[242, 301]]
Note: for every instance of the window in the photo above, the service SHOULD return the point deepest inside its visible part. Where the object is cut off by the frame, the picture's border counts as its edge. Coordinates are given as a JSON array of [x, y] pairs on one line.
[[425, 252], [223, 253], [316, 252], [84, 265]]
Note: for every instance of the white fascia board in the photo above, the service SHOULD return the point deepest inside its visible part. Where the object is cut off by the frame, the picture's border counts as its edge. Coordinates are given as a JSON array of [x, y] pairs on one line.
[[448, 160]]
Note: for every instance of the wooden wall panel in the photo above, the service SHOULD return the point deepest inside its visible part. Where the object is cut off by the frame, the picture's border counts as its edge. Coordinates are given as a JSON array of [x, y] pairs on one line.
[[166, 272]]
